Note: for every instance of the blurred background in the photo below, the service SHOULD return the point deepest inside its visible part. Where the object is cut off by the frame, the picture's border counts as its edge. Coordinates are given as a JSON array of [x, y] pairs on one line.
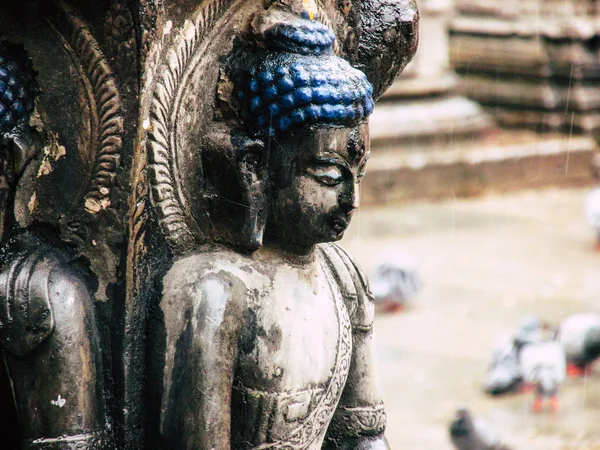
[[480, 199]]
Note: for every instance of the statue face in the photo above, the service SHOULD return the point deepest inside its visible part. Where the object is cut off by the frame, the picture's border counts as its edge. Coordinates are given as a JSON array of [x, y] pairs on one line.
[[315, 184]]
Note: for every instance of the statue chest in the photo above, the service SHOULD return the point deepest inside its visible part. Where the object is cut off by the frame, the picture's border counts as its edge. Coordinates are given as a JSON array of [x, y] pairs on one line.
[[291, 377]]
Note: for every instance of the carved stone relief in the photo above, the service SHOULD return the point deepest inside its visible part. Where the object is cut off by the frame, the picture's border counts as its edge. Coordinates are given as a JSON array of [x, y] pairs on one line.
[[169, 170]]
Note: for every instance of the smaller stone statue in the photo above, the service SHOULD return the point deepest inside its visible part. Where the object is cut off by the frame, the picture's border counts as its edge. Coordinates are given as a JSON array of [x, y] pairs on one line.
[[48, 334], [268, 327]]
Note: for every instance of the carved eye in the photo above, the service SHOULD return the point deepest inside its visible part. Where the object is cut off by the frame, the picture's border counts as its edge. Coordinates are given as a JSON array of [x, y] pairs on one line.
[[251, 159], [327, 175], [250, 154]]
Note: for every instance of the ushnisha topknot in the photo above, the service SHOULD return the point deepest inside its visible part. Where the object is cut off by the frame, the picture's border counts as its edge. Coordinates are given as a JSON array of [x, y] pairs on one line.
[[17, 87], [296, 81], [306, 37]]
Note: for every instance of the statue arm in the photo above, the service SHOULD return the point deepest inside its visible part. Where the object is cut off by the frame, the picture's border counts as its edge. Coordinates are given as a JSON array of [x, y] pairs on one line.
[[26, 315], [203, 322], [58, 387], [359, 421]]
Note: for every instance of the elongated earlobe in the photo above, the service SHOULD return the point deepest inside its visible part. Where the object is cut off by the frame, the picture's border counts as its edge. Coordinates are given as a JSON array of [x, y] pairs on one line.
[[236, 187], [252, 177]]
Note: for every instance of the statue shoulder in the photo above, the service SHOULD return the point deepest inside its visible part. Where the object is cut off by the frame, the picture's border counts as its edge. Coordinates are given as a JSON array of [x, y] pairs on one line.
[[353, 283], [36, 282], [218, 279]]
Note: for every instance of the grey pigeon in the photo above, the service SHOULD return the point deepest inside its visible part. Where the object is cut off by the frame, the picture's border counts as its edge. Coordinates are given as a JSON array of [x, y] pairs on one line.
[[529, 331], [579, 335], [473, 433], [504, 372], [543, 366], [395, 281]]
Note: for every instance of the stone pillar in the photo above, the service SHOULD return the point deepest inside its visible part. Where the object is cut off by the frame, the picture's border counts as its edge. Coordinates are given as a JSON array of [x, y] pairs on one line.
[[534, 63], [422, 105]]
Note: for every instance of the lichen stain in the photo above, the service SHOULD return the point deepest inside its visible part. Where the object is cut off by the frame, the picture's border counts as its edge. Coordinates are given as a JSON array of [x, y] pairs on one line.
[[52, 153], [94, 206], [272, 338], [32, 204], [86, 380]]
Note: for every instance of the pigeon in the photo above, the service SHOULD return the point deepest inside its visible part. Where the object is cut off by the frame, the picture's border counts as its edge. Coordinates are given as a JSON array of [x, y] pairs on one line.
[[503, 374], [473, 433], [395, 282], [529, 332], [579, 335], [591, 210], [543, 366]]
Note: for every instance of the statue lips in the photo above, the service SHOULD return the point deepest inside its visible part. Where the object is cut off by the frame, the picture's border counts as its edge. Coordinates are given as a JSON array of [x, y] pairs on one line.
[[339, 223]]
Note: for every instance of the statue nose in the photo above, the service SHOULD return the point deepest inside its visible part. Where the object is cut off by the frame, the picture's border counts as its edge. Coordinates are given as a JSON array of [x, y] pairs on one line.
[[356, 195], [351, 198]]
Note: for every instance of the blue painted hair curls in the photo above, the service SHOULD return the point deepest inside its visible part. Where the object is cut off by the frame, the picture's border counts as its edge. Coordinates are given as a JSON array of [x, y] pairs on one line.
[[298, 82], [17, 87]]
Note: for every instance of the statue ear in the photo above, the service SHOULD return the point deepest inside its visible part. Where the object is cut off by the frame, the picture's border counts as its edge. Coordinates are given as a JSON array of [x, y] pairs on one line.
[[28, 144], [5, 182], [17, 149], [252, 177], [250, 156], [235, 189]]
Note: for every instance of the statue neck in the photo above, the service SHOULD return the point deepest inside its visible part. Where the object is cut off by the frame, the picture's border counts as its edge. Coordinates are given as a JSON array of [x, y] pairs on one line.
[[290, 254]]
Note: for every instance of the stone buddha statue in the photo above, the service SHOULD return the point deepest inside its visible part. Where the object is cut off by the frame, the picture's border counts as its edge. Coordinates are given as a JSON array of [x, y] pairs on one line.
[[173, 177], [49, 339], [268, 327]]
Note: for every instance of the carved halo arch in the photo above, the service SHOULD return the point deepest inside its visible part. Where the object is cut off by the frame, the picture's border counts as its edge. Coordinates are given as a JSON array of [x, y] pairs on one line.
[[105, 104], [92, 139], [181, 110]]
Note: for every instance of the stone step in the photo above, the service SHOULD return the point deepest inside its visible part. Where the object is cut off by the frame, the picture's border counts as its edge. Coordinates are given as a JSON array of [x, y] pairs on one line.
[[426, 119], [421, 85], [500, 160]]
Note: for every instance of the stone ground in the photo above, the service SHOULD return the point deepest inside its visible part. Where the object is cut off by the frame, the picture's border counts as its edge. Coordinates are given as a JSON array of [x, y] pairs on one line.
[[484, 264]]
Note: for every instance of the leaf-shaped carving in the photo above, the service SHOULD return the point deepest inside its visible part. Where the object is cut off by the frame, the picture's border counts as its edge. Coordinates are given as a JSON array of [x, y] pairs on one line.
[[160, 142], [108, 110]]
